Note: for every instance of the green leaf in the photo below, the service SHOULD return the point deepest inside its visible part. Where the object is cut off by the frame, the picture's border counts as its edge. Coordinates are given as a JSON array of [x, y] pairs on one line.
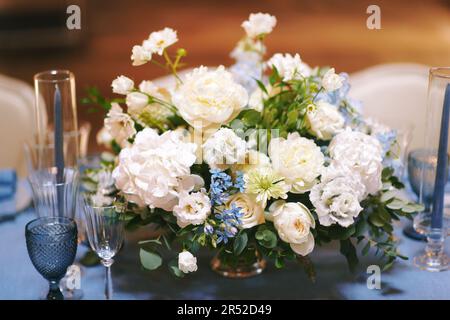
[[349, 251], [339, 233], [279, 262], [386, 196], [412, 207], [173, 268], [150, 260], [376, 220], [262, 86], [240, 243], [269, 239], [396, 204], [250, 118], [90, 259]]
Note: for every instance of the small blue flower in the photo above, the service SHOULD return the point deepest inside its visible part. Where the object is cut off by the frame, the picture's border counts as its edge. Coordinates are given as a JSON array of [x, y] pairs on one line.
[[208, 229], [239, 182], [230, 220], [220, 183], [387, 139]]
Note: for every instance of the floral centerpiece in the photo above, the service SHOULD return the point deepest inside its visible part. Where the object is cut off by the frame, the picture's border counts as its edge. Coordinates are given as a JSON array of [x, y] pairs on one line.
[[265, 160]]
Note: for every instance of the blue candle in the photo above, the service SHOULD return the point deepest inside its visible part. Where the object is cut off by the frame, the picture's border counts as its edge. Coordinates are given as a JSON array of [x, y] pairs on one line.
[[441, 177], [59, 150]]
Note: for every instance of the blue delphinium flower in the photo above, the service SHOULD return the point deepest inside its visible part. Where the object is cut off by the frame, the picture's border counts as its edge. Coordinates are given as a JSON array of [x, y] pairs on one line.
[[239, 182], [387, 139], [229, 221], [220, 183]]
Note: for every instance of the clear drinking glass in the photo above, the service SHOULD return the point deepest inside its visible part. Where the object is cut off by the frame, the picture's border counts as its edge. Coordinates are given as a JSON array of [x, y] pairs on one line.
[[105, 230], [52, 246], [434, 258], [45, 84], [52, 198]]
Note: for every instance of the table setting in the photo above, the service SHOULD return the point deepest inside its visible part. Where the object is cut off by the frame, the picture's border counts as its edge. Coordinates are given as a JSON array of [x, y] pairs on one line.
[[261, 180]]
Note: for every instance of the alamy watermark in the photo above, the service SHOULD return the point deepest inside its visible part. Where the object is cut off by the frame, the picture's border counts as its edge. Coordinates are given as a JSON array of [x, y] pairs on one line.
[[373, 22], [73, 21], [374, 278]]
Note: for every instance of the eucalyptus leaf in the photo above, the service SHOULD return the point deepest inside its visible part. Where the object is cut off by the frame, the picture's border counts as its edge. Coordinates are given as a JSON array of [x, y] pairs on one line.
[[150, 260], [240, 243], [396, 204], [173, 268]]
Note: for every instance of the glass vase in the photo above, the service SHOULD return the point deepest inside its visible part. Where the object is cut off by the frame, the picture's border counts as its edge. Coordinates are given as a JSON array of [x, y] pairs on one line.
[[248, 264]]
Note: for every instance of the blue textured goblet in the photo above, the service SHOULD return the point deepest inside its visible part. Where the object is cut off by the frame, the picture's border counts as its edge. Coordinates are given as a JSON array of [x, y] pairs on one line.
[[52, 246]]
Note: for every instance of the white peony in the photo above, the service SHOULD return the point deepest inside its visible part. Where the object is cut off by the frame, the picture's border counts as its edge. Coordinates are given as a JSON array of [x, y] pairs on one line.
[[337, 197], [160, 40], [119, 125], [136, 101], [259, 24], [187, 262], [332, 81], [362, 153], [140, 56], [224, 148], [297, 159], [209, 98], [289, 67], [293, 222], [122, 85], [252, 210], [192, 208], [155, 170], [325, 120]]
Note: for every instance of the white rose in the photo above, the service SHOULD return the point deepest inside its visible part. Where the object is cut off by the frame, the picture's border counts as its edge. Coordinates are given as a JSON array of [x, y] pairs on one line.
[[122, 85], [224, 148], [155, 170], [259, 24], [140, 56], [187, 262], [297, 159], [325, 120], [337, 197], [289, 67], [119, 125], [160, 40], [252, 210], [104, 137], [209, 98], [362, 153], [332, 81], [293, 222], [136, 101], [192, 208]]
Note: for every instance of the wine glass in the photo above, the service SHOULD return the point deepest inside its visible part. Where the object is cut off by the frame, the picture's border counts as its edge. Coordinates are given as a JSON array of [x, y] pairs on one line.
[[52, 246], [105, 231]]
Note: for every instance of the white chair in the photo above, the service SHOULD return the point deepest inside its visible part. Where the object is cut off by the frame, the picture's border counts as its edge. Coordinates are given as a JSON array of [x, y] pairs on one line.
[[17, 124], [395, 95]]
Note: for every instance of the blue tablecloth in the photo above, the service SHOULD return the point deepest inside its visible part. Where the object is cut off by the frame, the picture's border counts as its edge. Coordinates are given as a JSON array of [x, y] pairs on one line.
[[19, 279]]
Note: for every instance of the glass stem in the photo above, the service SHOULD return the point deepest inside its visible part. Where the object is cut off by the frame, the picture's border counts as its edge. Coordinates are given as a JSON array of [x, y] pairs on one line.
[[108, 279], [54, 292]]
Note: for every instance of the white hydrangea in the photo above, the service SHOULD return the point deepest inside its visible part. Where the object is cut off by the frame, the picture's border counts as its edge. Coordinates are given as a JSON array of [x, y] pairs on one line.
[[289, 67], [187, 262], [325, 120], [362, 153], [119, 125], [298, 159], [122, 85], [158, 41], [332, 81], [337, 197], [192, 208], [224, 148], [259, 24], [208, 99], [156, 169]]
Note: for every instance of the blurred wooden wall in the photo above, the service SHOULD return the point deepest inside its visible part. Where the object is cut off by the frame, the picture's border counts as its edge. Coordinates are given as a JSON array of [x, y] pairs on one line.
[[325, 32]]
